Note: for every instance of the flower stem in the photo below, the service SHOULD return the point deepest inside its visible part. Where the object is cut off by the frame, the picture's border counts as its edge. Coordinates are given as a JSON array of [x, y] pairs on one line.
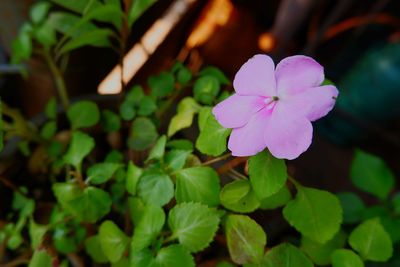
[[211, 161], [232, 164], [58, 79]]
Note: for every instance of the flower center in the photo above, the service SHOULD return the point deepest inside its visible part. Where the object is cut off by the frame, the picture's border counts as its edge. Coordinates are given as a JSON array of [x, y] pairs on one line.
[[270, 102]]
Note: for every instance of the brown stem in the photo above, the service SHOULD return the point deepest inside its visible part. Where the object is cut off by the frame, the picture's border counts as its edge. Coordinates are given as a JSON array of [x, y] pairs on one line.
[[231, 164]]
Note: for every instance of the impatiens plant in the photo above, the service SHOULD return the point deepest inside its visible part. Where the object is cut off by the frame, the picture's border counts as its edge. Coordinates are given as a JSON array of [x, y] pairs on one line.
[[133, 186]]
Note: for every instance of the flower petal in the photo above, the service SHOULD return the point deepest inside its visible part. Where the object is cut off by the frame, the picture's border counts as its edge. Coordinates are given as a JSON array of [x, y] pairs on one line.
[[314, 102], [256, 77], [287, 134], [236, 110], [249, 139], [298, 72]]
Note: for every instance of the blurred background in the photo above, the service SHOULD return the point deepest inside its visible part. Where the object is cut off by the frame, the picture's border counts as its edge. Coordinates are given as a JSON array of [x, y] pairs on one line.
[[357, 41]]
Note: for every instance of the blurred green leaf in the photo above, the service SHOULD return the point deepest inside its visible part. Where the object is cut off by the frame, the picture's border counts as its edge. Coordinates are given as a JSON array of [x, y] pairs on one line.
[[158, 150], [321, 253], [216, 73], [96, 38], [352, 206], [83, 114], [132, 177], [136, 209], [147, 106], [48, 130], [135, 95], [155, 187], [93, 248], [239, 197], [246, 239], [22, 44], [108, 13], [39, 11], [79, 6], [371, 241], [180, 144], [316, 214], [197, 184], [100, 173], [170, 256], [280, 198], [127, 110], [193, 224], [41, 258], [36, 233], [184, 75], [162, 84], [176, 159], [51, 108], [212, 138], [110, 121], [149, 227], [137, 9], [143, 134], [286, 255], [346, 258], [69, 24], [371, 174], [45, 34], [113, 241], [187, 108], [80, 146], [206, 89], [267, 174]]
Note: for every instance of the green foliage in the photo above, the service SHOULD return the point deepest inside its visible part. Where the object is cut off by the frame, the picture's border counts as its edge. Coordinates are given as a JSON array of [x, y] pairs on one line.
[[36, 233], [206, 89], [371, 241], [138, 8], [147, 106], [157, 152], [377, 179], [246, 239], [346, 258], [83, 114], [352, 206], [173, 255], [279, 199], [94, 249], [113, 241], [132, 177], [51, 108], [238, 196], [41, 258], [267, 174], [155, 187], [80, 146], [162, 84], [193, 224], [212, 137], [321, 253], [285, 255], [110, 121], [187, 108], [143, 134], [216, 73], [197, 184], [101, 172], [314, 213]]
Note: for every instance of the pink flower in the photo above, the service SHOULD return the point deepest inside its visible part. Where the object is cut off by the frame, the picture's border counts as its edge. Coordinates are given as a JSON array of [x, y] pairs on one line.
[[273, 108]]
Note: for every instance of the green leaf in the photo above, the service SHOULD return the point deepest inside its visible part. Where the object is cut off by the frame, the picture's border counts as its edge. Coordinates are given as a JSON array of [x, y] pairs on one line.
[[157, 152], [48, 130], [321, 253], [45, 34], [246, 239], [143, 134], [352, 206], [114, 156], [149, 227], [137, 9], [371, 174], [79, 6], [162, 84], [41, 258], [96, 38], [193, 224], [267, 174], [80, 146], [127, 110], [174, 256], [36, 233], [197, 184], [205, 89], [135, 95], [110, 121], [22, 45], [314, 213], [136, 209], [69, 24], [346, 258], [187, 108], [279, 199], [113, 241], [396, 203], [67, 239], [239, 197], [180, 144], [88, 205], [132, 177], [107, 13], [147, 106], [101, 172], [51, 108], [39, 11], [212, 138], [392, 226], [218, 74], [371, 241], [93, 248], [155, 187], [176, 159], [184, 75], [286, 255], [83, 114]]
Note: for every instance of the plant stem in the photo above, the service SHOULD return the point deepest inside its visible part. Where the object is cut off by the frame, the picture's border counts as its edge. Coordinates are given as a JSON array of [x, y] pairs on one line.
[[58, 79], [231, 164], [293, 181], [79, 177], [238, 174], [211, 161]]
